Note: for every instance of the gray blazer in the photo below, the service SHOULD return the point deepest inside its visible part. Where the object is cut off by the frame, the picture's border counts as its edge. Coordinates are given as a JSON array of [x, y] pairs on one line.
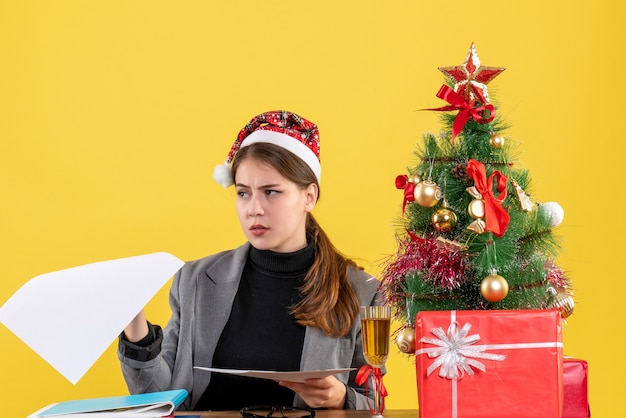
[[201, 298]]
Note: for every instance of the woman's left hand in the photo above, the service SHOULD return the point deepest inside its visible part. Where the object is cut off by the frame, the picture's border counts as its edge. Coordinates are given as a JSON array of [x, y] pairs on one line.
[[327, 392]]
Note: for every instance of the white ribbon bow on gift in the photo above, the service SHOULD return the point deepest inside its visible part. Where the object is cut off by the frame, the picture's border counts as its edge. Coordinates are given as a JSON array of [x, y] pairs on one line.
[[457, 353]]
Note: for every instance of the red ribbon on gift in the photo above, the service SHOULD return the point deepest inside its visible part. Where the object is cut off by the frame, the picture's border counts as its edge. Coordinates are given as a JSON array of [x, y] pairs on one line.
[[402, 182], [496, 216], [466, 109], [362, 376]]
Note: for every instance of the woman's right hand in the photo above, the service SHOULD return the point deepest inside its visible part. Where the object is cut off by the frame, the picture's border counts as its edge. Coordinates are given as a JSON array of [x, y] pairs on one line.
[[137, 329]]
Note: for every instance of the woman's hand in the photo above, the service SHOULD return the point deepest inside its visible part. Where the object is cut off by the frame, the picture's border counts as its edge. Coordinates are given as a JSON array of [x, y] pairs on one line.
[[137, 329], [327, 392]]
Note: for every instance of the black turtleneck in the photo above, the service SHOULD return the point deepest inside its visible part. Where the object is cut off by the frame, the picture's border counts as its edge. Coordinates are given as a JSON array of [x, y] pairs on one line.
[[261, 334]]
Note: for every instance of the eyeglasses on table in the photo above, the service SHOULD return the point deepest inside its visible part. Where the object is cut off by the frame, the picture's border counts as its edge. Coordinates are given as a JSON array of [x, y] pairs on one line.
[[264, 411]]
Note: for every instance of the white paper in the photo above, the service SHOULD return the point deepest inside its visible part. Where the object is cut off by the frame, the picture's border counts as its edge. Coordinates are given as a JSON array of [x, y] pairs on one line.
[[287, 376], [70, 317]]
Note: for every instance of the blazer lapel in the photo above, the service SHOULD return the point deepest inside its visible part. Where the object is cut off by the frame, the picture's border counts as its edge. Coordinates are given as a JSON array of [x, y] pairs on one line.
[[215, 293]]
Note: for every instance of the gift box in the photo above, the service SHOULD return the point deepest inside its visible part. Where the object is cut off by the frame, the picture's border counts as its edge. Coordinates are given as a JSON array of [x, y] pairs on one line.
[[575, 399], [489, 364]]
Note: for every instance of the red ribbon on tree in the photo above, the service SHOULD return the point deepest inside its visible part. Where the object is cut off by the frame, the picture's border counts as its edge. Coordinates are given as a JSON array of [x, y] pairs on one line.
[[496, 216], [466, 109], [402, 182], [362, 376]]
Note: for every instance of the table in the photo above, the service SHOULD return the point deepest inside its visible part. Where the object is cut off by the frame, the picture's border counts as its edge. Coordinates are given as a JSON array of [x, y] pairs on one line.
[[335, 413]]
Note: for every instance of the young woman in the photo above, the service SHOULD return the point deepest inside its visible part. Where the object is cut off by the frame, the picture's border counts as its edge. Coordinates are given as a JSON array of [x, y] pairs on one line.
[[286, 300]]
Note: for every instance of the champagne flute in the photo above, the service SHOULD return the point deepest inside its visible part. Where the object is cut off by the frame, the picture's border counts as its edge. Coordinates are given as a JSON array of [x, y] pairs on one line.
[[375, 326]]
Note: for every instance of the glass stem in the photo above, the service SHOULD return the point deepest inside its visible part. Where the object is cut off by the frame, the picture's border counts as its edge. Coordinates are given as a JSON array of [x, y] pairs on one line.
[[377, 412]]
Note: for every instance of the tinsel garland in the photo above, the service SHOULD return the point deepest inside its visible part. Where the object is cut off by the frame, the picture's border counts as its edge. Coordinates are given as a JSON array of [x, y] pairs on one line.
[[556, 276], [444, 267]]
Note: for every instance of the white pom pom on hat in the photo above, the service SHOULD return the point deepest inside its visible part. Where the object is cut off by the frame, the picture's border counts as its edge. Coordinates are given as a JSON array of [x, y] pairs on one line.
[[222, 175], [282, 128]]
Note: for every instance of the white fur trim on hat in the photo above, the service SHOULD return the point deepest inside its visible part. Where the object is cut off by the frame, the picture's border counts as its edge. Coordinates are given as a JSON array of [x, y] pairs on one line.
[[290, 144]]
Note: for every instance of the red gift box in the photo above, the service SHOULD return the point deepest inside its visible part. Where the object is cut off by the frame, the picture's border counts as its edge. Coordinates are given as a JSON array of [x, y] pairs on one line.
[[489, 364], [575, 398]]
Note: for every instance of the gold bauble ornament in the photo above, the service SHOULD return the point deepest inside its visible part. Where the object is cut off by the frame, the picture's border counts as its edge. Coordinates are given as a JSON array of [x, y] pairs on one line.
[[564, 303], [427, 193], [494, 287], [406, 340], [496, 141], [444, 219], [415, 178]]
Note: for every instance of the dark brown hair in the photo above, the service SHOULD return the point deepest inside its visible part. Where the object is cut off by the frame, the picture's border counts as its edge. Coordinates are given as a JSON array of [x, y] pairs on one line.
[[328, 301]]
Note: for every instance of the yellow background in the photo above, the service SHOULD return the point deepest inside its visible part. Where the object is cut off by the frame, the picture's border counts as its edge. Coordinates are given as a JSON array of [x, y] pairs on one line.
[[114, 113]]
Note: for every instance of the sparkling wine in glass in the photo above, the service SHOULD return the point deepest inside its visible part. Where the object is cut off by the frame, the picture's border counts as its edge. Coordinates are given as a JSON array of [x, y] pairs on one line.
[[375, 327]]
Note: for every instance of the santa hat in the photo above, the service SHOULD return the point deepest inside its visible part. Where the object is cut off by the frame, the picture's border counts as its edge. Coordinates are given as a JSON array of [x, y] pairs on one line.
[[282, 128]]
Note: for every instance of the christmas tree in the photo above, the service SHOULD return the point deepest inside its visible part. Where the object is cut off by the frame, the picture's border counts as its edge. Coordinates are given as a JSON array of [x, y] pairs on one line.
[[471, 236]]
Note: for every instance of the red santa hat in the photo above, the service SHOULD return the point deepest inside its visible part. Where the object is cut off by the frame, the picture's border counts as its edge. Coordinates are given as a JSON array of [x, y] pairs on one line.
[[282, 128]]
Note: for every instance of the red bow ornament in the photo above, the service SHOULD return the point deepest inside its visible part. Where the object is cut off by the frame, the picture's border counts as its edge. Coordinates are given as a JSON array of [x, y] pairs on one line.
[[496, 216], [404, 183], [466, 109], [362, 376]]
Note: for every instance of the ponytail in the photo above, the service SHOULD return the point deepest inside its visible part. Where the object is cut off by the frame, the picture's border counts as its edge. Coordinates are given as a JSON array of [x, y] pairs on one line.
[[328, 300]]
